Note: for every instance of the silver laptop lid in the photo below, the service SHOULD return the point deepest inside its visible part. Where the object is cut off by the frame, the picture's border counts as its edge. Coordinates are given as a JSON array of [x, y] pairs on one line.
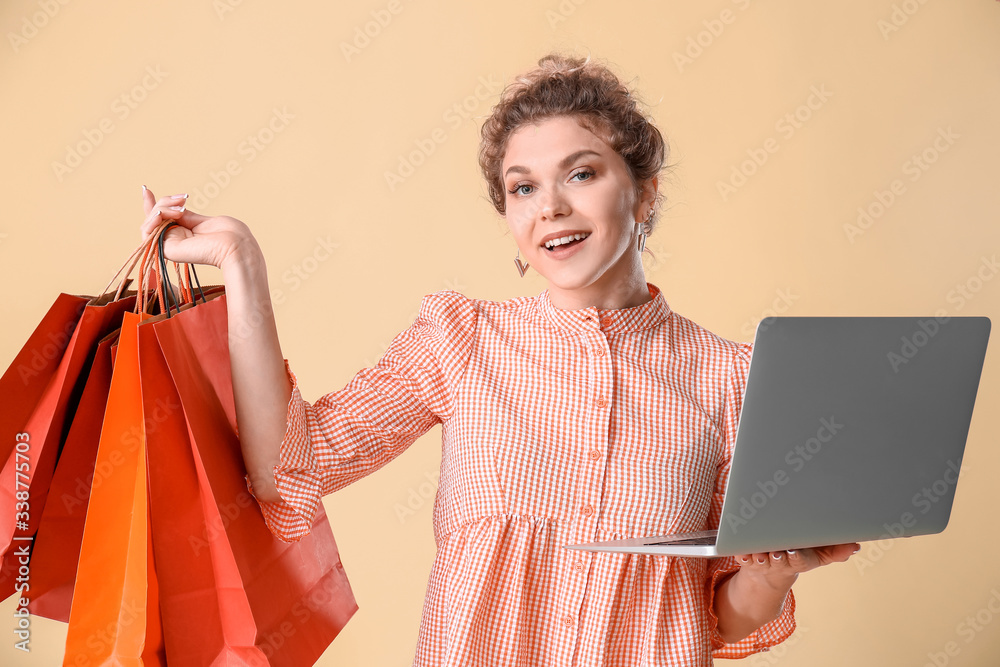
[[852, 429]]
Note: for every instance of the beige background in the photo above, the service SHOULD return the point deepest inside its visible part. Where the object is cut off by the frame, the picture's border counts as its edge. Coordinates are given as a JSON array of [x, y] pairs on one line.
[[896, 76]]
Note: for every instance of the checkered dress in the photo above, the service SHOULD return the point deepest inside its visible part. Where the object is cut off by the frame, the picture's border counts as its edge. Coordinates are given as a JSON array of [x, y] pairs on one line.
[[558, 427]]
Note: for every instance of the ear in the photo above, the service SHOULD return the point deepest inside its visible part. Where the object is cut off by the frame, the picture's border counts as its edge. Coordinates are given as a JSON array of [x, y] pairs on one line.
[[647, 198]]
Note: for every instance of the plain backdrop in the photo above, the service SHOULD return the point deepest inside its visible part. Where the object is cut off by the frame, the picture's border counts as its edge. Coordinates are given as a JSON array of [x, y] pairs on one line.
[[834, 158]]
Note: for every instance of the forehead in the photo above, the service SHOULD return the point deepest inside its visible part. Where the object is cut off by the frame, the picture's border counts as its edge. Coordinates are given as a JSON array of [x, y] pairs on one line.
[[548, 141]]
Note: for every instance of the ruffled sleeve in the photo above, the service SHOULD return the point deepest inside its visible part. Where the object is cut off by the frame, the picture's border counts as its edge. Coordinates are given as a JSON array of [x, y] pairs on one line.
[[775, 632], [350, 433]]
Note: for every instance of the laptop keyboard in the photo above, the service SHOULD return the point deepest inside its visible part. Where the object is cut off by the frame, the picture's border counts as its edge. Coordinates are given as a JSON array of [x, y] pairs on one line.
[[706, 538]]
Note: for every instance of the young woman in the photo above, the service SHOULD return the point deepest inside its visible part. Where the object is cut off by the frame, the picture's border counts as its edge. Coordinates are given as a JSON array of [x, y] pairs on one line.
[[591, 411]]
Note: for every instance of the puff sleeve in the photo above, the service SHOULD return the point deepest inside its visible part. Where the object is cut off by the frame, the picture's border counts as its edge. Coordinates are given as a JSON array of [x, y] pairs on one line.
[[350, 433]]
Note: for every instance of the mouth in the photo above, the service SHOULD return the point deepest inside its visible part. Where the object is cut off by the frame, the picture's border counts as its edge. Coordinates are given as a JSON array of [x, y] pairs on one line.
[[560, 246]]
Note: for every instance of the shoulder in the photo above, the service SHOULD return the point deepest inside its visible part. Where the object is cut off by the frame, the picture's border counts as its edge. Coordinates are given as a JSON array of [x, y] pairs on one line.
[[449, 305], [707, 349]]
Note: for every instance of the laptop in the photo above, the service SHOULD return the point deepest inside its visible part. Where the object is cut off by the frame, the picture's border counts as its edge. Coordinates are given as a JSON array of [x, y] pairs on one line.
[[852, 429]]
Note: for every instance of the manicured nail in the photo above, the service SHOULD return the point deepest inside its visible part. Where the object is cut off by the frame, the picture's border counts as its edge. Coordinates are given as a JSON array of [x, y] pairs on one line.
[[761, 562], [179, 209], [790, 552], [744, 560], [176, 196], [144, 188], [776, 556]]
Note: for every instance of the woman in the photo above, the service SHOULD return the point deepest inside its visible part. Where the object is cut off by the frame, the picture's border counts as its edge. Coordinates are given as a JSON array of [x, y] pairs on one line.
[[589, 412]]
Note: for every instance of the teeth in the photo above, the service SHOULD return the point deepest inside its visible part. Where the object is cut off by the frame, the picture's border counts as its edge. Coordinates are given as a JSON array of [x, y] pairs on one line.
[[566, 239]]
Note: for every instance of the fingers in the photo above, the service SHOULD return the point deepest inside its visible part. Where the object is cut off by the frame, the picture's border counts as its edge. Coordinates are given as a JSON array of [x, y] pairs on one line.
[[791, 558], [157, 211]]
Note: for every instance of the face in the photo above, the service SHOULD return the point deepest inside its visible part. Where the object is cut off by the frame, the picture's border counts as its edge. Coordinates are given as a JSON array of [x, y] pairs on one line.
[[564, 181]]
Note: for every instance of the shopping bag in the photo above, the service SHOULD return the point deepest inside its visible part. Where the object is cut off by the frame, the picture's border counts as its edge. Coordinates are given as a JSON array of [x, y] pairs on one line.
[[60, 531], [298, 593], [110, 620], [193, 573], [46, 428], [28, 375]]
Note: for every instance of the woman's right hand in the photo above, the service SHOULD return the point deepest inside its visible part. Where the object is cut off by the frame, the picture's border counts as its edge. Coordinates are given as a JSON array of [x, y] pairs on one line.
[[199, 239]]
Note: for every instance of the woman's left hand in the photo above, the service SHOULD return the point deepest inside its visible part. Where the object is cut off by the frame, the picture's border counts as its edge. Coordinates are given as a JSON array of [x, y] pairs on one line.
[[778, 565]]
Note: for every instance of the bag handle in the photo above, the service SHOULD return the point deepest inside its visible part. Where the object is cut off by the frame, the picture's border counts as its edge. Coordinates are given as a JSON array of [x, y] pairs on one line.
[[146, 256], [187, 295]]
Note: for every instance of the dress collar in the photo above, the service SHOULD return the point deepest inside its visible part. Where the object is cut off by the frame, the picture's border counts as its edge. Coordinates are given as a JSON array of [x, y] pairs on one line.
[[614, 320]]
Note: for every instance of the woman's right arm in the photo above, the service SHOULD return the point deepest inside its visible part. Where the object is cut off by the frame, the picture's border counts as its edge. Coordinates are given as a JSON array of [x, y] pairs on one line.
[[261, 387]]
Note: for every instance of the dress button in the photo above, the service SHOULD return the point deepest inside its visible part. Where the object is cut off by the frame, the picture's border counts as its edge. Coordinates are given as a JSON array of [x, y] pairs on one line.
[[601, 402], [599, 351], [568, 621], [594, 455], [587, 510], [579, 566], [606, 321]]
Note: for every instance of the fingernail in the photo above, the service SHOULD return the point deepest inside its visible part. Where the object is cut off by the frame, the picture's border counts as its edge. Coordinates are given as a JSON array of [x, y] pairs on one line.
[[790, 552], [179, 209], [176, 196], [744, 560], [761, 562], [144, 189], [776, 556]]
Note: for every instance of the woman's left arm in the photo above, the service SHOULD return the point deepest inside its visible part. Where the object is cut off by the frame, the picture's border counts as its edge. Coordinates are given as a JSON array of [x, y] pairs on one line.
[[753, 596]]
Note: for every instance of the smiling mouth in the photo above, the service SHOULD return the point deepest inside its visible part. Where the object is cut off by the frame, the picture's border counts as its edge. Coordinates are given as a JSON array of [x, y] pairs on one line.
[[565, 242]]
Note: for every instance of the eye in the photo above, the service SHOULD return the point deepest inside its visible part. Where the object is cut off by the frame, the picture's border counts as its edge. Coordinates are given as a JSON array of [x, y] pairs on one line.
[[589, 173], [516, 190]]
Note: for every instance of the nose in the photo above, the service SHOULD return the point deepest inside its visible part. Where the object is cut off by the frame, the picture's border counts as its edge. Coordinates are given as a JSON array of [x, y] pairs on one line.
[[551, 204]]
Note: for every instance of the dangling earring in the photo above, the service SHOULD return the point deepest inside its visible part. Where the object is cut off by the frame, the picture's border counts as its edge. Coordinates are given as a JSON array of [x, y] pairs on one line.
[[641, 242], [521, 266]]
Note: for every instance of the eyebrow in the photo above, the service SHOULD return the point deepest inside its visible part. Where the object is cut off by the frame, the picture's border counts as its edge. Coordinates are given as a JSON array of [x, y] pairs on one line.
[[565, 162]]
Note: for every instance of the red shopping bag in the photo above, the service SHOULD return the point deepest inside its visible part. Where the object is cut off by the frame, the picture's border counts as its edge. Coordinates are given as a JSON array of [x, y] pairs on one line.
[[113, 617], [60, 532], [195, 567], [27, 376], [47, 424], [298, 593]]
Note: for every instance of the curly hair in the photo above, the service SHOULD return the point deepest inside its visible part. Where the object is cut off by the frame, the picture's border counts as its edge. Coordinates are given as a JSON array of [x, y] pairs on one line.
[[569, 86]]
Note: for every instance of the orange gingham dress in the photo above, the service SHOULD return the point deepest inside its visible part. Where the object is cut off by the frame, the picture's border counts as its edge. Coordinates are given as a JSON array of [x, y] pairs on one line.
[[558, 427]]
